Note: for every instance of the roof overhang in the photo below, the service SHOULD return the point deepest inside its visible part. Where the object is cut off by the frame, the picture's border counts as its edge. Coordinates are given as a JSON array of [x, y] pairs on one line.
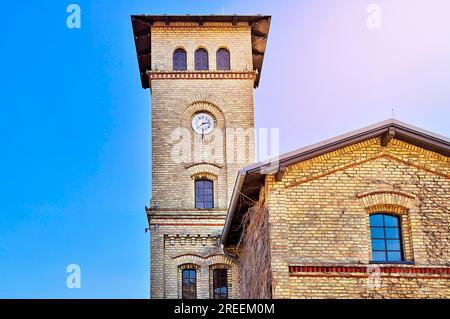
[[142, 25], [251, 178]]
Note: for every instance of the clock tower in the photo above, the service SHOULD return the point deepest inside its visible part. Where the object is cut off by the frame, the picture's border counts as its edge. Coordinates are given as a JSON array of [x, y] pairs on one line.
[[201, 71]]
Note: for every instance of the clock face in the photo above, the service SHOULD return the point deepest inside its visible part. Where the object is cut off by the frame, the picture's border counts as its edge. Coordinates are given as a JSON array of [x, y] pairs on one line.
[[202, 123]]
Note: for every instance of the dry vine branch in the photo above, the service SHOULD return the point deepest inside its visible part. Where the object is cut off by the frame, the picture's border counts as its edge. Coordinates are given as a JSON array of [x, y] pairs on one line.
[[254, 246]]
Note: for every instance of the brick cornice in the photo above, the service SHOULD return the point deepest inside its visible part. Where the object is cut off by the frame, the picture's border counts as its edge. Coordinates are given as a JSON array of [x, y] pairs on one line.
[[201, 75]]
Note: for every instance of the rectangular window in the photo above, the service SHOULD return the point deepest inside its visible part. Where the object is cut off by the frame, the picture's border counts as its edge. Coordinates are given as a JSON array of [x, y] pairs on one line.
[[179, 60], [201, 60], [220, 283], [386, 240], [204, 190], [189, 284]]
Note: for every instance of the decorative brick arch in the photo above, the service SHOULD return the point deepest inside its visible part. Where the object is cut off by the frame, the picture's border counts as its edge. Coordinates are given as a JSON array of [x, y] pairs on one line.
[[190, 259], [204, 170], [398, 201], [203, 261], [202, 106], [206, 98], [219, 259], [197, 104]]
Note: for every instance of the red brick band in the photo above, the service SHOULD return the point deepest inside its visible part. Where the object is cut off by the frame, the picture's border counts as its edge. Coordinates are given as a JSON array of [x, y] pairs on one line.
[[298, 270], [186, 225]]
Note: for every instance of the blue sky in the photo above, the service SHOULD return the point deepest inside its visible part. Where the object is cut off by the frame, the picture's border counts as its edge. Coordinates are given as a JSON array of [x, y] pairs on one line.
[[75, 122]]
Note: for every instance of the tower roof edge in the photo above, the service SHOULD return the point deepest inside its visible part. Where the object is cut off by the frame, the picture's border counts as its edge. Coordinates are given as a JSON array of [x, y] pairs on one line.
[[142, 24]]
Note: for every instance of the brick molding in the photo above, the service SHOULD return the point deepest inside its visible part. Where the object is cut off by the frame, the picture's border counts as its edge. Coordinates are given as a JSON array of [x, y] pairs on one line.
[[365, 271]]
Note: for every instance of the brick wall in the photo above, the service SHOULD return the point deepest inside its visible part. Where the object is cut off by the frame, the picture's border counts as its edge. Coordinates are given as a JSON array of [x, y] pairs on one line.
[[319, 214], [180, 234], [237, 39]]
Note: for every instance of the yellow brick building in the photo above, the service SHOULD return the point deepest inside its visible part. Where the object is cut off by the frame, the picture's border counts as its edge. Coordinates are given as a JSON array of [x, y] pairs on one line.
[[202, 71], [363, 215]]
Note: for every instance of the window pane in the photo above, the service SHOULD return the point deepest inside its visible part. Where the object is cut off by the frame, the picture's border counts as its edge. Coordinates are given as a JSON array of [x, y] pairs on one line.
[[385, 237], [204, 191], [378, 244], [392, 233], [199, 183], [394, 256], [209, 205], [208, 185], [201, 59], [376, 220], [393, 244], [390, 220], [378, 256], [220, 284], [189, 284], [179, 60], [200, 205], [377, 232], [223, 59]]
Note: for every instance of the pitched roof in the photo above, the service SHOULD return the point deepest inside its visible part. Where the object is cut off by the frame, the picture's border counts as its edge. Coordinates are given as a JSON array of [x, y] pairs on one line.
[[251, 178], [142, 36]]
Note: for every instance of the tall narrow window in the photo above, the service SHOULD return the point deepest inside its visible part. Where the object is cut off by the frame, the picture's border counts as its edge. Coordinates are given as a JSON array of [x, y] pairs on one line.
[[385, 233], [220, 283], [223, 59], [189, 284], [179, 60], [201, 60], [204, 198]]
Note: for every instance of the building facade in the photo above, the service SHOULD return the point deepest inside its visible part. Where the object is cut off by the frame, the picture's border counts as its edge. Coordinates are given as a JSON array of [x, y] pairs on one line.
[[363, 215], [202, 71]]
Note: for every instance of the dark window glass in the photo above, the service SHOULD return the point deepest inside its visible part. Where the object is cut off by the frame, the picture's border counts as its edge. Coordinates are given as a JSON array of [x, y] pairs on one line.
[[394, 256], [377, 232], [386, 240], [378, 244], [179, 60], [223, 59], [220, 283], [189, 284], [392, 233], [204, 198], [201, 60], [376, 220], [378, 255], [390, 221]]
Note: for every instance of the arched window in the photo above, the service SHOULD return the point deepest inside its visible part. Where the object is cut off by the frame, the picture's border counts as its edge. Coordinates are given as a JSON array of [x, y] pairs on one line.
[[201, 60], [223, 59], [220, 284], [189, 284], [204, 198], [385, 233], [179, 60]]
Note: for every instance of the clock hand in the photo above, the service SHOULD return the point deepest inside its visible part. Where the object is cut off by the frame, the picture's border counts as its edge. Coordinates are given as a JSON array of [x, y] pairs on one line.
[[202, 124]]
